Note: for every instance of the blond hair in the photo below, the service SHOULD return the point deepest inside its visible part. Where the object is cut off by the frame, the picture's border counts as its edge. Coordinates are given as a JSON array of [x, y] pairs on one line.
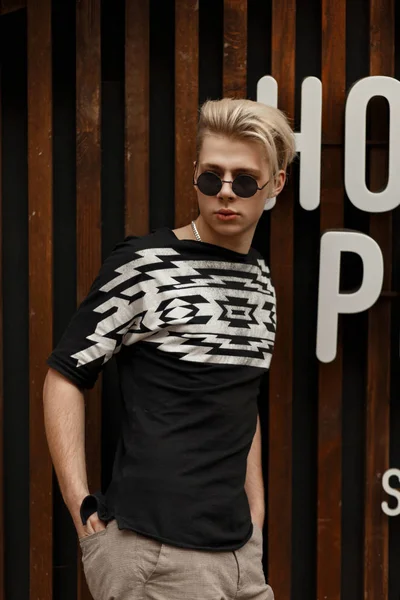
[[249, 120]]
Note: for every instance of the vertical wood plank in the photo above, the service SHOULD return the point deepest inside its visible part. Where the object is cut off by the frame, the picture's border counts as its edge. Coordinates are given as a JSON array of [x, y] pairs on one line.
[[40, 290], [88, 218], [2, 515], [137, 57], [330, 374], [186, 107], [235, 48], [281, 376], [376, 540]]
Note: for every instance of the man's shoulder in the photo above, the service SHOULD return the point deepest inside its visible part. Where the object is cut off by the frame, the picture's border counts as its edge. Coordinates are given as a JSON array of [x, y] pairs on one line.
[[260, 259], [154, 239], [133, 248]]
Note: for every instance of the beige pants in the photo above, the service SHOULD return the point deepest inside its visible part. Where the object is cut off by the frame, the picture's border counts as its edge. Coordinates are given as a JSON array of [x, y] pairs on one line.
[[125, 565]]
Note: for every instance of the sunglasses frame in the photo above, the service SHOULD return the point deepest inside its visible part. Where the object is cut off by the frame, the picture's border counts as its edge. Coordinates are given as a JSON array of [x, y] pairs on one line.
[[231, 182]]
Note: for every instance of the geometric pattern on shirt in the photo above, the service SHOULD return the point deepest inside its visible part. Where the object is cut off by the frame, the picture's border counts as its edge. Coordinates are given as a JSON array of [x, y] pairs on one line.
[[199, 310]]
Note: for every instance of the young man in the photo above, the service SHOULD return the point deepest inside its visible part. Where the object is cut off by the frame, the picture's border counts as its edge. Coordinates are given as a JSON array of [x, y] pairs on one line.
[[190, 315]]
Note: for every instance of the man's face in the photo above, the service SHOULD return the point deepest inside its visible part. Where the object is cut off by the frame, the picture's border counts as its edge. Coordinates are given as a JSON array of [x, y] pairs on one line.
[[227, 158]]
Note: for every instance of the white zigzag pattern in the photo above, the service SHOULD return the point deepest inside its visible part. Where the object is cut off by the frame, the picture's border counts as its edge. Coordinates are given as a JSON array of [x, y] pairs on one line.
[[261, 351], [144, 319]]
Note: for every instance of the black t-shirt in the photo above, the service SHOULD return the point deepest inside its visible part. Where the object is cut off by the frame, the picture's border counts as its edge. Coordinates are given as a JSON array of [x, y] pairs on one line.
[[192, 325]]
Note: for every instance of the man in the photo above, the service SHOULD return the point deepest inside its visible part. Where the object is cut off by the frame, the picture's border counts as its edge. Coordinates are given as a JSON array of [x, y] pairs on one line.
[[190, 315]]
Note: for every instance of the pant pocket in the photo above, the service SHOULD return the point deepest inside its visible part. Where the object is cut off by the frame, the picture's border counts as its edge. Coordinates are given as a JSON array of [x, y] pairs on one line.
[[86, 538], [150, 553], [93, 551], [257, 532]]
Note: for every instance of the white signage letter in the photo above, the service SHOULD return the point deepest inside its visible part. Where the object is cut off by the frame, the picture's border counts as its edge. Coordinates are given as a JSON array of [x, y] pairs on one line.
[[331, 302], [391, 512], [308, 141], [355, 138]]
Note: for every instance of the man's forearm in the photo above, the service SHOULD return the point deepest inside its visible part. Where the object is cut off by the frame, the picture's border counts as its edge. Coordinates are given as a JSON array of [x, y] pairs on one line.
[[64, 418], [254, 484]]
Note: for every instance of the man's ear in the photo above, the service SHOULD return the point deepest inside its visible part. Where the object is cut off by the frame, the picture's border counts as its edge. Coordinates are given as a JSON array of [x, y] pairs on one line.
[[280, 180]]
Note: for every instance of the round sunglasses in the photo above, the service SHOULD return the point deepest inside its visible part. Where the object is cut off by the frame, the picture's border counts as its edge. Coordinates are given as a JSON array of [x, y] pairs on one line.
[[210, 184]]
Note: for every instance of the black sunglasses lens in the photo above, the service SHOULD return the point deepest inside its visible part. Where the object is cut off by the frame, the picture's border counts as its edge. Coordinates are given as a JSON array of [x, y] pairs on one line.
[[209, 183], [244, 186]]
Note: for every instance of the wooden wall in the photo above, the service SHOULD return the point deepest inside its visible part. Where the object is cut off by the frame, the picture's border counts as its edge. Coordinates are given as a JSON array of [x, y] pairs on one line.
[[98, 117]]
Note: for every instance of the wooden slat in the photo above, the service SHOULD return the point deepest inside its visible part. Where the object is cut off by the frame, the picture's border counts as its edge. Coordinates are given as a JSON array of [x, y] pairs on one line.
[[186, 106], [235, 48], [2, 499], [330, 375], [281, 376], [40, 290], [88, 217], [7, 6], [137, 117], [376, 535]]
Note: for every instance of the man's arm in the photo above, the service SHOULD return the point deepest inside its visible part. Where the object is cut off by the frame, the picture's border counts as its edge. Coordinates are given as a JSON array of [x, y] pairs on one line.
[[64, 420], [254, 485], [75, 364]]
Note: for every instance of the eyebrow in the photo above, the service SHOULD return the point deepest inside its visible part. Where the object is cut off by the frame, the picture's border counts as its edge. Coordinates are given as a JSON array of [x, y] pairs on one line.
[[251, 171]]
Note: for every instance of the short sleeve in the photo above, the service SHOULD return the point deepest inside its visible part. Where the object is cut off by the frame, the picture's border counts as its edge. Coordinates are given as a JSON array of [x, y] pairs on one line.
[[97, 329]]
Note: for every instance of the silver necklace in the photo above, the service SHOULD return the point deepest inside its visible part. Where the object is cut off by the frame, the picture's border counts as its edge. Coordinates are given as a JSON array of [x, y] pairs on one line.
[[196, 233]]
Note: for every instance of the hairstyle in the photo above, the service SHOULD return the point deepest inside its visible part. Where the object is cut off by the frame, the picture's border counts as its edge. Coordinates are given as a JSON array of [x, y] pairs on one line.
[[249, 120]]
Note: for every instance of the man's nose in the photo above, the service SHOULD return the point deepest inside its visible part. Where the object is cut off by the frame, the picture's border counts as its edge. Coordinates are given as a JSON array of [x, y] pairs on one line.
[[226, 189]]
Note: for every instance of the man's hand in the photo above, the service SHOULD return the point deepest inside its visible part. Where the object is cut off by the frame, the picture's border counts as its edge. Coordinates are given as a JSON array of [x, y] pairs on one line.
[[259, 521], [93, 524]]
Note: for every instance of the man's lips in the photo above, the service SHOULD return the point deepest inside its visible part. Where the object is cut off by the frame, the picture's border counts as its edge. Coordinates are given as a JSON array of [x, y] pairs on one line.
[[226, 216], [226, 212]]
